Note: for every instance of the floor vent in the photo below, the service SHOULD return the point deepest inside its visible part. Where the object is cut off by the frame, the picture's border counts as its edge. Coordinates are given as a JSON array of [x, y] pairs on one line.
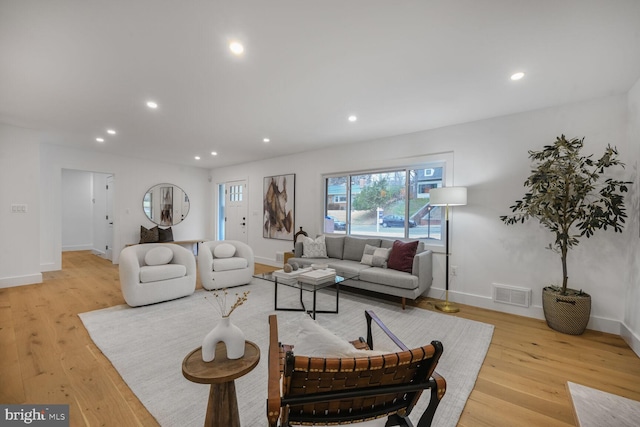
[[513, 295], [279, 256]]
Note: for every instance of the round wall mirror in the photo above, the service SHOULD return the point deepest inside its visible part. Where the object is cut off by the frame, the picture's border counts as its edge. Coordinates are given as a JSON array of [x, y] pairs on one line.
[[166, 204]]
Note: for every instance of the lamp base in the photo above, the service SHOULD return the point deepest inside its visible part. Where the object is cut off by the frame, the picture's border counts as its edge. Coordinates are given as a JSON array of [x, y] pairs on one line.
[[447, 307]]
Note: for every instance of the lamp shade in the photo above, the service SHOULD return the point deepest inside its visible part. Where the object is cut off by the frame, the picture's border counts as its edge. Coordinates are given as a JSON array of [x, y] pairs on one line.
[[448, 196]]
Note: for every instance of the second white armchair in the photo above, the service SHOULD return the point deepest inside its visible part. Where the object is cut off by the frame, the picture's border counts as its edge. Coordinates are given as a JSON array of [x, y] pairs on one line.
[[225, 264]]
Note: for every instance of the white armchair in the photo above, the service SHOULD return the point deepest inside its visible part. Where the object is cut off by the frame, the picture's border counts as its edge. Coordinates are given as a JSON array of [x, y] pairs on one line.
[[225, 263], [156, 272]]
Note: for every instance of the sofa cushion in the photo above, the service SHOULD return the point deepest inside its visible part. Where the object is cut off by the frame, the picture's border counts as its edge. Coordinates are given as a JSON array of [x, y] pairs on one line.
[[345, 267], [159, 255], [156, 273], [224, 250], [401, 256], [335, 246], [375, 257], [389, 277], [149, 235], [354, 247], [314, 248], [225, 264]]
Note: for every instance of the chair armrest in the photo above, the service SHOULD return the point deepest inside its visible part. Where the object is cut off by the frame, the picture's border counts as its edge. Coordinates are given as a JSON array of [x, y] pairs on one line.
[[273, 382], [129, 268], [184, 257], [244, 251], [441, 384], [370, 315]]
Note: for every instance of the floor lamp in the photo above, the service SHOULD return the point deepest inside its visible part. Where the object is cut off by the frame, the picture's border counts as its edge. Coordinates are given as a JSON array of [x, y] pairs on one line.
[[448, 196]]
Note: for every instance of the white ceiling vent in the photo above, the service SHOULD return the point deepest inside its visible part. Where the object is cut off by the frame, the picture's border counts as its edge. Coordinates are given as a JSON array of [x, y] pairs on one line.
[[513, 295]]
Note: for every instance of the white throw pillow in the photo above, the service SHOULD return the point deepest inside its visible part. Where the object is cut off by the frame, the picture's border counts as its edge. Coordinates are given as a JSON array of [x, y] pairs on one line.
[[158, 256], [224, 250], [314, 248], [315, 341], [375, 257]]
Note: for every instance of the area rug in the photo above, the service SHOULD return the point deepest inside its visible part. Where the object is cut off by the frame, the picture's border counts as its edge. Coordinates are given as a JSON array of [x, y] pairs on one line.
[[596, 408], [147, 345]]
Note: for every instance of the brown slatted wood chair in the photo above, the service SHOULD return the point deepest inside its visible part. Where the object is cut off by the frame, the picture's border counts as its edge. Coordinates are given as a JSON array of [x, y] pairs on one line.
[[328, 391]]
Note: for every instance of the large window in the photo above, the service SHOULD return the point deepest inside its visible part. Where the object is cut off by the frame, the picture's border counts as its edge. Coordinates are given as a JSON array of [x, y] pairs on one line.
[[387, 203]]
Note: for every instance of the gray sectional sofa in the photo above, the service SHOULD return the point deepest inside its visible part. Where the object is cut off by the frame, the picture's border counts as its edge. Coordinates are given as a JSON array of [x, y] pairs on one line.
[[345, 255]]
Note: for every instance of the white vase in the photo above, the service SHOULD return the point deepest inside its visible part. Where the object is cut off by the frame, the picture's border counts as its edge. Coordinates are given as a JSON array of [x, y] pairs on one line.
[[229, 334]]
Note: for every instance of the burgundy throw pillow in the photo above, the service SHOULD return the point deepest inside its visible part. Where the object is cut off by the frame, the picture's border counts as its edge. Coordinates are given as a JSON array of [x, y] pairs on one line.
[[401, 256]]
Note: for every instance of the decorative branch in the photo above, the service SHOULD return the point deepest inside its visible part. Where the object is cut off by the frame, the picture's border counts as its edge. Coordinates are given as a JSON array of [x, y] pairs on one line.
[[221, 301]]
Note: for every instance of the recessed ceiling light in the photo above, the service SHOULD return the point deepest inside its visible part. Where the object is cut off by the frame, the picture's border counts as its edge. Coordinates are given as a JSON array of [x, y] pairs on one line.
[[236, 48], [152, 104], [214, 153], [197, 157], [266, 140], [111, 131], [100, 139], [352, 118], [517, 76]]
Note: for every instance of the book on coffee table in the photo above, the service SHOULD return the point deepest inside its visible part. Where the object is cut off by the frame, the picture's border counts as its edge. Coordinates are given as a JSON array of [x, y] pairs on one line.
[[291, 277], [316, 277]]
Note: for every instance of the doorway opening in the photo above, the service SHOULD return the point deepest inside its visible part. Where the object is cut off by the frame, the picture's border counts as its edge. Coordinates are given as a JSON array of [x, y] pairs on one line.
[[87, 212]]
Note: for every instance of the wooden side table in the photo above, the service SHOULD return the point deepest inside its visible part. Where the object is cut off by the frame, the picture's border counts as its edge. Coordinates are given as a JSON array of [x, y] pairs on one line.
[[222, 409]]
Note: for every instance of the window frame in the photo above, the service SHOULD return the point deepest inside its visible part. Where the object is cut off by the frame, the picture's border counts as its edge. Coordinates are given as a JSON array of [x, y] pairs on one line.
[[445, 160]]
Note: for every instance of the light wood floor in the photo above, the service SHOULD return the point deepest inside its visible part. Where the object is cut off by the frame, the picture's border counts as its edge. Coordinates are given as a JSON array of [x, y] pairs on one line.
[[46, 356]]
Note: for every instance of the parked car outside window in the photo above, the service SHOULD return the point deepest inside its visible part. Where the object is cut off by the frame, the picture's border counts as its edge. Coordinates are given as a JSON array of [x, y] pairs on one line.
[[338, 225], [396, 221]]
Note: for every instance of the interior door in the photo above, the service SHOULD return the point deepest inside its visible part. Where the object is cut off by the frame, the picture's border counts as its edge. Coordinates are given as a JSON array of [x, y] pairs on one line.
[[235, 224], [108, 254]]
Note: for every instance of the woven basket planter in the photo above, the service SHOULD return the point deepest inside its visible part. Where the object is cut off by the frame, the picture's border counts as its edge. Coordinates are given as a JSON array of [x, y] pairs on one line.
[[568, 314]]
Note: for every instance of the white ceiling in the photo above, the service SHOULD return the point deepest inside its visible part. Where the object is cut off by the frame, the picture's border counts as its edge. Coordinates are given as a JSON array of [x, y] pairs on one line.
[[73, 68]]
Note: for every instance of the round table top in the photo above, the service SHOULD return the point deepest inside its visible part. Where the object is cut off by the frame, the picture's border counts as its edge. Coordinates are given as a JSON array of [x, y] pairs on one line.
[[220, 369]]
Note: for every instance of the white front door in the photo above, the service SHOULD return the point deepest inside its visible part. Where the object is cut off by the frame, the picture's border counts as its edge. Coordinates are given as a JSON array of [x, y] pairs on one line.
[[109, 220], [235, 213]]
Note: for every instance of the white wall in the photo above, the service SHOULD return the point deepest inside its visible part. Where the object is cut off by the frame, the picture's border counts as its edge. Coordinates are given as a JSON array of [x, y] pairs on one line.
[[19, 181], [77, 210], [31, 174], [631, 325], [490, 158], [132, 178]]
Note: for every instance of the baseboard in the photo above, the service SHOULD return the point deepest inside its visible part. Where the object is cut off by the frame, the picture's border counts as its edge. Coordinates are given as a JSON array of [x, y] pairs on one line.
[[268, 261], [30, 279], [600, 324], [631, 338], [69, 248], [50, 266]]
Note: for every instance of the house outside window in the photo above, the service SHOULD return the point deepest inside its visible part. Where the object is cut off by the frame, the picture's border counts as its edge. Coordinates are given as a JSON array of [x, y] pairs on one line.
[[386, 203]]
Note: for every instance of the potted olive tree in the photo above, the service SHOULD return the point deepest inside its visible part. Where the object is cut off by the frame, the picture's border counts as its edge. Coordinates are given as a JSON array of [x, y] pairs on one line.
[[567, 194]]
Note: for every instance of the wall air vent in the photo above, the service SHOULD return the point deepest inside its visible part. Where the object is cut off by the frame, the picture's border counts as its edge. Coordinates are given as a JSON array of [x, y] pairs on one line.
[[513, 295], [279, 256]]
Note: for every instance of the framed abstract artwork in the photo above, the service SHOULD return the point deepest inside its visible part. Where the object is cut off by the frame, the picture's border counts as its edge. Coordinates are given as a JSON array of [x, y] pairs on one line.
[[279, 193]]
